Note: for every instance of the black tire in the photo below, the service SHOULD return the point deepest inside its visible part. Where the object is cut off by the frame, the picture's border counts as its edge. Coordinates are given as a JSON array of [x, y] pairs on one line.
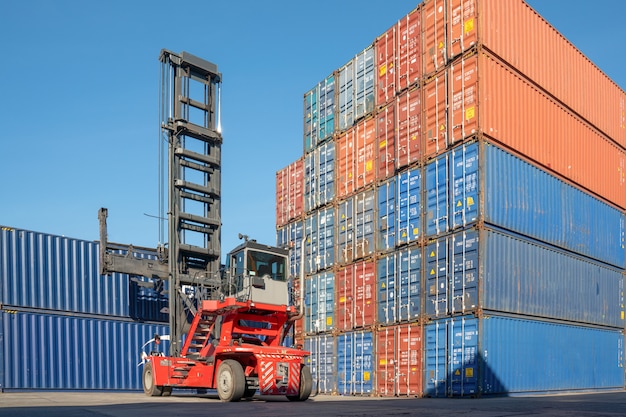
[[149, 387], [306, 385], [230, 381]]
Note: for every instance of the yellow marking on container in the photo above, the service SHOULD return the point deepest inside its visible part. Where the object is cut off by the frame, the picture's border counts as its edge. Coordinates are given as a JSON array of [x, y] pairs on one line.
[[440, 45], [470, 201], [416, 231], [383, 70], [442, 127], [366, 376], [382, 285], [382, 362], [382, 144], [459, 204], [469, 25], [432, 271], [329, 321], [469, 372], [369, 165], [342, 299], [470, 112], [432, 254]]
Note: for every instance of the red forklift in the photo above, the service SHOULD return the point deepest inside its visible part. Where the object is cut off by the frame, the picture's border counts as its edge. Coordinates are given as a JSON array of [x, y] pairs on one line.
[[228, 323]]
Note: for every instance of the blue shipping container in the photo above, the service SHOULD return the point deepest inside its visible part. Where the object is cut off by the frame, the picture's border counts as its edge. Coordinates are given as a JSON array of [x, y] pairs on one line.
[[319, 113], [387, 201], [39, 350], [322, 362], [493, 270], [319, 299], [356, 88], [399, 286], [513, 194], [290, 236], [409, 206], [467, 356], [355, 361], [319, 229], [319, 176], [43, 271]]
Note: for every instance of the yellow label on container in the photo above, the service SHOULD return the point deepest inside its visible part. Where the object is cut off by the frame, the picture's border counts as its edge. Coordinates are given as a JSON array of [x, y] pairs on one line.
[[366, 376], [432, 271], [369, 165], [470, 113], [469, 372], [382, 144], [470, 201], [469, 25], [342, 299], [329, 321], [416, 231], [432, 254], [382, 362], [459, 204], [383, 70], [622, 315]]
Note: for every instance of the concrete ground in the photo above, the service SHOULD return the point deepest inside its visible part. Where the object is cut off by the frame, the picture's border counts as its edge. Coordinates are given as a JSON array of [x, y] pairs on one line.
[[125, 404]]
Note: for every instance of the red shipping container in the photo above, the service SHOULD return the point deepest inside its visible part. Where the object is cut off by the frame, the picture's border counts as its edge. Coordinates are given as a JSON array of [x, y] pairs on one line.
[[399, 360], [409, 50], [518, 35], [289, 192], [386, 127], [487, 96], [409, 128], [356, 157], [385, 46], [433, 36], [356, 295], [435, 128]]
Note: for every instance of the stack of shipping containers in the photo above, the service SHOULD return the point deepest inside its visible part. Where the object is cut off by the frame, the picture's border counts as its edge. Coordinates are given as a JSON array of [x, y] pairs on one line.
[[63, 326], [464, 196]]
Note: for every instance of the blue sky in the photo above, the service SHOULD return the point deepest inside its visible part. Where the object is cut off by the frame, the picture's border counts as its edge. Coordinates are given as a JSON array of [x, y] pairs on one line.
[[79, 98]]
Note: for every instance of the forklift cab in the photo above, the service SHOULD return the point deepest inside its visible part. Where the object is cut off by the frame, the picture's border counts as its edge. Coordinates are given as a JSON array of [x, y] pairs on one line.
[[257, 273]]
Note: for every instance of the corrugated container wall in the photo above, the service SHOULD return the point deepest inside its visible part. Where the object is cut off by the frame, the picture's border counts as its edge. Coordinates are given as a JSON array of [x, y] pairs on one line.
[[319, 298], [319, 230], [41, 350], [43, 271], [356, 225], [356, 296], [467, 356], [290, 237], [322, 362], [356, 157], [319, 113], [399, 282], [466, 185], [290, 192], [471, 271]]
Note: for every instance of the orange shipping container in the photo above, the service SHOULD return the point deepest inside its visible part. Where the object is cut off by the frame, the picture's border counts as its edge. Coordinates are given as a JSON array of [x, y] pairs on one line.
[[356, 295], [399, 360], [289, 192], [386, 136], [385, 46], [409, 50], [356, 157], [409, 128], [486, 96], [518, 35]]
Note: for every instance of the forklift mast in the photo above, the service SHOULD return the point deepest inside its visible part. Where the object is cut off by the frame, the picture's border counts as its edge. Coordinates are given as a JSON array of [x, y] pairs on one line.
[[190, 130]]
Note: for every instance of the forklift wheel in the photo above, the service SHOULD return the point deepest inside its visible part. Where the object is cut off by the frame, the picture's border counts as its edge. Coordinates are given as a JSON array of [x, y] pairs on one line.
[[306, 385], [231, 381], [149, 387]]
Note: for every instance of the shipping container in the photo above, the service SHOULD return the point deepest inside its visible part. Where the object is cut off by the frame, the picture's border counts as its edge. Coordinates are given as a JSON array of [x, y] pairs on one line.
[[355, 367], [319, 113], [357, 94], [386, 57], [319, 229], [323, 362], [409, 50], [387, 209], [512, 30], [319, 299], [356, 157], [44, 271], [386, 142], [408, 138], [356, 225], [290, 192], [399, 286], [409, 206], [487, 97], [482, 182], [399, 360], [468, 356], [319, 176], [290, 237], [481, 269], [356, 295], [48, 351]]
